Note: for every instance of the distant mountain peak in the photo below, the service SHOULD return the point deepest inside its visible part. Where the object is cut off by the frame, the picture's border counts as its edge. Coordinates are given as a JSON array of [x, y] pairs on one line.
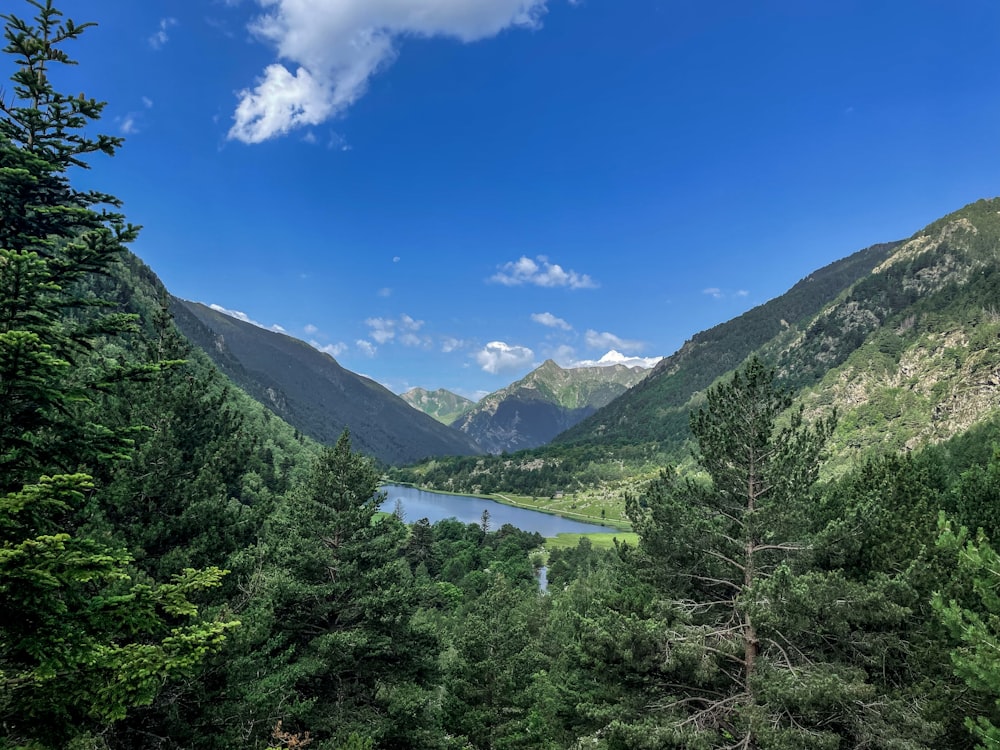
[[545, 402]]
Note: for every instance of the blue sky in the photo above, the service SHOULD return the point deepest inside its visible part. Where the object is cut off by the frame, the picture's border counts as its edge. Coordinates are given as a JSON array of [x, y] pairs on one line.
[[445, 193]]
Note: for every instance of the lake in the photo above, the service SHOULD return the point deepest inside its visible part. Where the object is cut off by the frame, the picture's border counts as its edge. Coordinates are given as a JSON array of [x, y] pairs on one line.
[[435, 506]]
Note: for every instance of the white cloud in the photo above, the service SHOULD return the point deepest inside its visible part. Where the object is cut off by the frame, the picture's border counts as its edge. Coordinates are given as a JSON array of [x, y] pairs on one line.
[[412, 339], [551, 321], [160, 36], [498, 357], [540, 272], [607, 340], [246, 318], [385, 292], [616, 358], [381, 330], [386, 329], [716, 293], [128, 125], [334, 350], [147, 102], [310, 329], [366, 347], [450, 344], [336, 47]]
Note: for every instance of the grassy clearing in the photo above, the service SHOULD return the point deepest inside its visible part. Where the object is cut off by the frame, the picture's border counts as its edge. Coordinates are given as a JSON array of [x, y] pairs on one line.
[[607, 510], [599, 541]]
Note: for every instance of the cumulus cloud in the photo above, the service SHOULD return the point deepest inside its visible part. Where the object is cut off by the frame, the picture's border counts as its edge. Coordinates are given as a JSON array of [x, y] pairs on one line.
[[605, 340], [403, 329], [551, 321], [615, 358], [713, 291], [498, 356], [246, 318], [310, 328], [540, 272], [366, 347], [160, 36], [330, 51]]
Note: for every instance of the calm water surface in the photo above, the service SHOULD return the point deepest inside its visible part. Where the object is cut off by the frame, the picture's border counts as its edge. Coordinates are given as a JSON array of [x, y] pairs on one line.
[[434, 506]]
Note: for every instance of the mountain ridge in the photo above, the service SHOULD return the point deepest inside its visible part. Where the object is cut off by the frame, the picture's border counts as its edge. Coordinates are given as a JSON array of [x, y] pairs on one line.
[[311, 391], [531, 411]]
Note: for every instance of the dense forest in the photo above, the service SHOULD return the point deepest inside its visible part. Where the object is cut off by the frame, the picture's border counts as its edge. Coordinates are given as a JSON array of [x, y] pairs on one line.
[[181, 569]]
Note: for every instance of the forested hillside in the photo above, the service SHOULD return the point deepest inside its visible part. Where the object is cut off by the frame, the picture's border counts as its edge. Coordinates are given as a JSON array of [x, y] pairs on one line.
[[179, 568]]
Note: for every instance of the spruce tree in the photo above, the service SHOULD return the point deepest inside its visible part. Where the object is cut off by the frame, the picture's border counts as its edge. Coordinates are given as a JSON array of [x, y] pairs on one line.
[[80, 642]]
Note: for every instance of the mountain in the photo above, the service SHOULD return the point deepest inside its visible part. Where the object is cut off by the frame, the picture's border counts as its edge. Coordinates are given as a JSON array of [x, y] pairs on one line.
[[908, 350], [656, 410], [902, 339], [441, 404], [310, 391], [544, 403]]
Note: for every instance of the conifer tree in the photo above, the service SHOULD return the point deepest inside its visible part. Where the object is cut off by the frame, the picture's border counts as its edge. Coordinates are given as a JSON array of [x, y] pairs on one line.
[[977, 629], [80, 642], [715, 542]]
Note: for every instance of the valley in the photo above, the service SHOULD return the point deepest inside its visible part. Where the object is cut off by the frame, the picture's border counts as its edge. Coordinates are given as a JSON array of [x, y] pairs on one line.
[[215, 535]]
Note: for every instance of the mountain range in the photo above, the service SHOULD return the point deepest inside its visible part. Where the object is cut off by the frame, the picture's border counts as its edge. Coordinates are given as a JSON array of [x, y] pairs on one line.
[[902, 338], [544, 403]]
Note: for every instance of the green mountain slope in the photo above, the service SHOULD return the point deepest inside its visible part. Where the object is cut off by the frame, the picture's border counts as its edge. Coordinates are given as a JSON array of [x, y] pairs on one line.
[[907, 353], [310, 391], [910, 355], [441, 404], [656, 410], [542, 404]]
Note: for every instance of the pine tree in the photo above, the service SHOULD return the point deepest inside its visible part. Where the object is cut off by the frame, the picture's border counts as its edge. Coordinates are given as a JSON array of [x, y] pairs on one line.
[[714, 542], [80, 642], [977, 629]]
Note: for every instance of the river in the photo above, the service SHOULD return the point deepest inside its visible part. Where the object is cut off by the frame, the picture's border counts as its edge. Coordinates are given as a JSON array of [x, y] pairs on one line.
[[435, 506]]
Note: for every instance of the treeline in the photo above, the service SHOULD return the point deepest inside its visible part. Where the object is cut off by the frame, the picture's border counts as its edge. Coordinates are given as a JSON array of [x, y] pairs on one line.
[[537, 472], [178, 569]]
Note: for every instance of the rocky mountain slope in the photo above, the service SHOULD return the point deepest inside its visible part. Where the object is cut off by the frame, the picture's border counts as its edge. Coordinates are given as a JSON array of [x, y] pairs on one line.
[[544, 403], [309, 390], [908, 350], [656, 410], [441, 404]]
